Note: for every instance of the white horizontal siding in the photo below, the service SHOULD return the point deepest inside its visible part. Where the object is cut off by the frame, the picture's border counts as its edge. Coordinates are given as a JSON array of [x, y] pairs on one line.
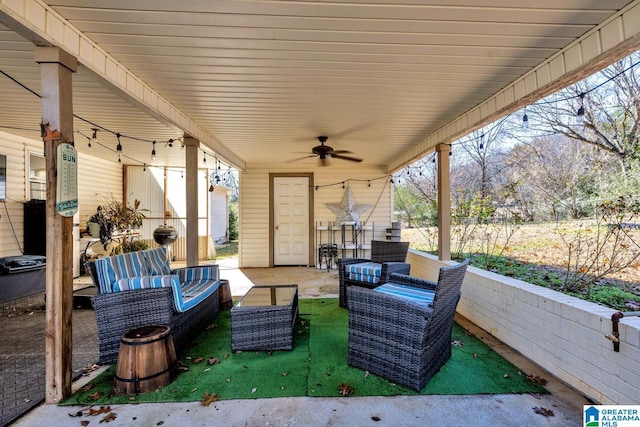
[[254, 203], [97, 178], [98, 181]]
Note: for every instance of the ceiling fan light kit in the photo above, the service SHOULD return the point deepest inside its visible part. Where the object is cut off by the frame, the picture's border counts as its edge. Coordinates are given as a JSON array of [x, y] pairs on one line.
[[324, 151]]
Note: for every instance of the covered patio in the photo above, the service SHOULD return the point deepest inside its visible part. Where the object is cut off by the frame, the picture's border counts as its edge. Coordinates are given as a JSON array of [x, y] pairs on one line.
[[252, 85], [502, 409]]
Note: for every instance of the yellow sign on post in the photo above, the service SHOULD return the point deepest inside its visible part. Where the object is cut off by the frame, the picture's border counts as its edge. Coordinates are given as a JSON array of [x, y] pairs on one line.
[[67, 189]]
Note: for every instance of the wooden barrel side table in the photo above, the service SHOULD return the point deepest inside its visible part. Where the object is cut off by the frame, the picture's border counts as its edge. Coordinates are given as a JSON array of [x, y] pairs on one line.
[[147, 360]]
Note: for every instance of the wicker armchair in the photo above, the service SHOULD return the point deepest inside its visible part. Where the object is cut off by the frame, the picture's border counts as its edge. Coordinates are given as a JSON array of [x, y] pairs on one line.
[[403, 333], [386, 258]]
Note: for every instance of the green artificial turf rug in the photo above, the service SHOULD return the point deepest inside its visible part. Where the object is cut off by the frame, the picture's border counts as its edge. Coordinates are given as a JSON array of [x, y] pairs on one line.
[[316, 367]]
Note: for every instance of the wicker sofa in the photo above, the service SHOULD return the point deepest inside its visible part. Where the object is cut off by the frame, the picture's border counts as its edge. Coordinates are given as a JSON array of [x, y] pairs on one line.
[[139, 289]]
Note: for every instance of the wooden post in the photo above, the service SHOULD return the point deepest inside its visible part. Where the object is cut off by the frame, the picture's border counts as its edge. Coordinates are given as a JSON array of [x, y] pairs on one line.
[[444, 203], [191, 191], [56, 68]]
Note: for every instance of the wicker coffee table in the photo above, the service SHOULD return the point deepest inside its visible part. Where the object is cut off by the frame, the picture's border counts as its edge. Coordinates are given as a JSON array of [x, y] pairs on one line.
[[263, 319]]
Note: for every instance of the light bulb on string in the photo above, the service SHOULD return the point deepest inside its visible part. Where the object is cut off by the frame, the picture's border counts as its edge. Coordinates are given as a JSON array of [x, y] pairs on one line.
[[204, 158], [580, 113], [481, 142], [119, 148], [525, 119], [94, 137], [170, 143], [153, 151]]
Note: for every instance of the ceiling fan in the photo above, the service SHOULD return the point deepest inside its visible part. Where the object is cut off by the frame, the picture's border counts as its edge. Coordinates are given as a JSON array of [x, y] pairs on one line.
[[324, 151]]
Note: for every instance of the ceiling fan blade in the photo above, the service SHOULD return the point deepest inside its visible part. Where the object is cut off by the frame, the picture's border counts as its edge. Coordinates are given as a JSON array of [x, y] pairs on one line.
[[342, 152], [338, 156], [301, 158]]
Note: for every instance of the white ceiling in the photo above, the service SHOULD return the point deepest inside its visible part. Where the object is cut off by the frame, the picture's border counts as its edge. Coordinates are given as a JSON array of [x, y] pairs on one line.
[[265, 78]]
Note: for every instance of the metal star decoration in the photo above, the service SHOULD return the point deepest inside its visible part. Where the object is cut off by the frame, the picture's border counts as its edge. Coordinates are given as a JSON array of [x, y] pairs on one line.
[[347, 210]]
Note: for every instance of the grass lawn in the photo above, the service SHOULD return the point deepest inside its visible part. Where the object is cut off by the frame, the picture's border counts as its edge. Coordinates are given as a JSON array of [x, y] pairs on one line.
[[536, 254]]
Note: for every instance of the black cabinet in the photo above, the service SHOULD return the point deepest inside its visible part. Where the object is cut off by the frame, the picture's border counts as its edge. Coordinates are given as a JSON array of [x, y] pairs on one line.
[[35, 227]]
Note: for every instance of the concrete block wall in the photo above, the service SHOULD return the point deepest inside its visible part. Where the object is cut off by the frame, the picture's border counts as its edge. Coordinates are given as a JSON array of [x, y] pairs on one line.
[[563, 334]]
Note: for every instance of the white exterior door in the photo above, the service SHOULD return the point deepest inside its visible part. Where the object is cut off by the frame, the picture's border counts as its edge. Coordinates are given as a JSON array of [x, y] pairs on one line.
[[291, 220]]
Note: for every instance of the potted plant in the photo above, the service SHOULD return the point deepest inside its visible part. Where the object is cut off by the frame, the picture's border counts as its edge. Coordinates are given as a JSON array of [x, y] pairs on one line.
[[117, 218]]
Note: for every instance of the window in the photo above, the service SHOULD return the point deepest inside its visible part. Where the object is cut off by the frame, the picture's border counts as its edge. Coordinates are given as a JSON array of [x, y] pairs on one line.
[[37, 177]]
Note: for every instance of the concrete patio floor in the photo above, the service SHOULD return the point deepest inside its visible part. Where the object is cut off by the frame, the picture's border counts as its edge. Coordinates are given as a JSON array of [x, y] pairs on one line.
[[477, 410]]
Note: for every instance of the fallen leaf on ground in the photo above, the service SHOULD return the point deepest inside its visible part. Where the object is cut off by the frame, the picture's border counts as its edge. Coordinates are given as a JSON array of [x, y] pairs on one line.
[[213, 360], [345, 389], [506, 375], [457, 343], [101, 410], [84, 423], [536, 379], [208, 398], [197, 360], [110, 417], [95, 396], [212, 326], [253, 390], [284, 374], [543, 411], [87, 387]]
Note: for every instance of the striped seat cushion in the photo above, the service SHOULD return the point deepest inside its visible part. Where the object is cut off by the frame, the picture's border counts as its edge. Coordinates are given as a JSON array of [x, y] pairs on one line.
[[190, 274], [146, 282], [192, 293], [158, 261], [421, 297], [368, 272], [111, 269]]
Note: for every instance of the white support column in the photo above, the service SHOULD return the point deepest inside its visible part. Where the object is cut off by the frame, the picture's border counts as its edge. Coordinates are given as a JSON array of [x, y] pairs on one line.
[[56, 68], [444, 203], [191, 191]]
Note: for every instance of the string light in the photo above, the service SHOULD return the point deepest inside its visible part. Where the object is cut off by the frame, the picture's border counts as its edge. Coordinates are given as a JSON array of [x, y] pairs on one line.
[[144, 169], [170, 144], [204, 157], [580, 114], [94, 137], [525, 119], [481, 142], [153, 151], [119, 148]]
